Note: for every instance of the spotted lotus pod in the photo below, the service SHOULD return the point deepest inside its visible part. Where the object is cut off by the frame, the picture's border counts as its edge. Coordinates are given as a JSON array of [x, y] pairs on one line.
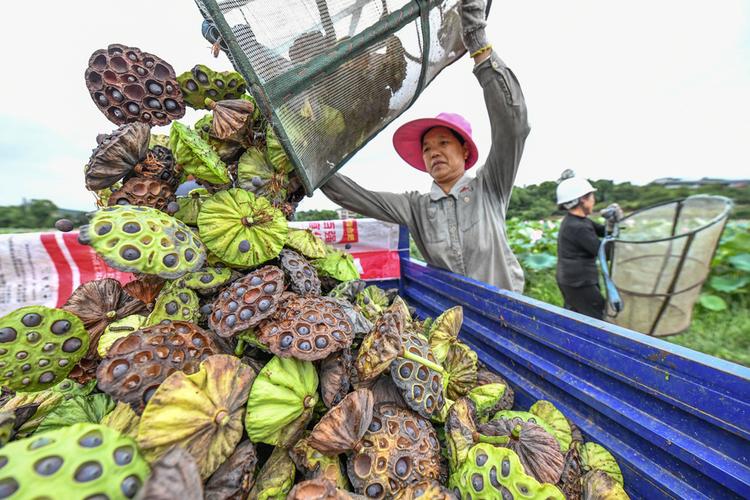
[[135, 365], [427, 489], [201, 82], [308, 328], [306, 243], [195, 156], [460, 431], [201, 412], [316, 465], [556, 421], [159, 165], [361, 326], [129, 85], [190, 206], [337, 265], [117, 330], [334, 374], [241, 229], [570, 479], [460, 366], [281, 401], [598, 485], [276, 477], [416, 373], [318, 489], [301, 276], [341, 429], [372, 301], [247, 301], [122, 419], [207, 279], [175, 303], [399, 448], [494, 472], [39, 346], [596, 457], [88, 459], [141, 191], [143, 240], [444, 331], [524, 416], [379, 348], [116, 155]]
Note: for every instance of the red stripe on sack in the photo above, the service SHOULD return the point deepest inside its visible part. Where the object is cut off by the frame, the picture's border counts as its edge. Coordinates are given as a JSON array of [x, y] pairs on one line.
[[379, 264], [64, 273]]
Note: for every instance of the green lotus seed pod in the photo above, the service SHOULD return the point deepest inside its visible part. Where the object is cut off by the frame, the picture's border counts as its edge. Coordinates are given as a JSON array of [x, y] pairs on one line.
[[495, 472], [596, 457], [196, 156], [202, 82], [598, 485], [175, 303], [305, 242], [88, 459], [276, 154], [190, 206], [39, 346], [242, 229], [444, 331], [118, 329], [556, 420], [372, 301], [460, 367], [338, 265], [275, 478], [257, 175], [208, 278], [144, 240]]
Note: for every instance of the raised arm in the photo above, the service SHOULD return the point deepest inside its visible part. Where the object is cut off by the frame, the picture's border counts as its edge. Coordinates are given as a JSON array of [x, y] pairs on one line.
[[389, 207]]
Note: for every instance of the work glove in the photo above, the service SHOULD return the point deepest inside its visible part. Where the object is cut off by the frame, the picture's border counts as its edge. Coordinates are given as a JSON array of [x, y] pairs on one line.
[[613, 213], [472, 24]]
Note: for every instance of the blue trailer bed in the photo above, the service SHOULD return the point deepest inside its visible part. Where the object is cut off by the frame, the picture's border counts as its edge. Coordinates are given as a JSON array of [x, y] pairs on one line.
[[677, 421]]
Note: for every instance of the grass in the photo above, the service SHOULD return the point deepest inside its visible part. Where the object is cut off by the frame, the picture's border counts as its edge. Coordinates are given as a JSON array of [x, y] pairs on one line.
[[13, 230]]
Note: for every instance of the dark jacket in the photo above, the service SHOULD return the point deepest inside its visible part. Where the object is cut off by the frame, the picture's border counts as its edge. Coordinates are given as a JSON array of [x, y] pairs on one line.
[[577, 247]]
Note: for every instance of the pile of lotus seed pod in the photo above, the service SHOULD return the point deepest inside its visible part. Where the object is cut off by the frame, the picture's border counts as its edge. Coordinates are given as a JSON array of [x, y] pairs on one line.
[[246, 359]]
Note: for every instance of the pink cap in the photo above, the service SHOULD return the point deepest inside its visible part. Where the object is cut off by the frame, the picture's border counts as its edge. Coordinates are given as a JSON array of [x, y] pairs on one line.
[[408, 138]]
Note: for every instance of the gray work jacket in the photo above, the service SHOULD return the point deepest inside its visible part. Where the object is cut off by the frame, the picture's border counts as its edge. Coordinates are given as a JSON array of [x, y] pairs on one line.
[[462, 231]]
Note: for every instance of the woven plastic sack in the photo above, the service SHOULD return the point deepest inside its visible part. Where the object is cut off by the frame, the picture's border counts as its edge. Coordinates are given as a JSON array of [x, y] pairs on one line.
[[330, 74], [661, 257]]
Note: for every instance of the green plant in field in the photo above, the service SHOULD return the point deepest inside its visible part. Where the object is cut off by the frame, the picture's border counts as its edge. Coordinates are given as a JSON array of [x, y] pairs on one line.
[[730, 269], [534, 243]]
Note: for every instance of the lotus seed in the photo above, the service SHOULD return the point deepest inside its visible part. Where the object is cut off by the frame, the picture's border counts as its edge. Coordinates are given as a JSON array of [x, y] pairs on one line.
[[131, 227], [130, 486], [88, 471], [7, 334], [91, 440], [60, 327], [189, 255], [244, 246], [321, 342], [123, 455], [71, 345], [304, 346], [246, 314], [47, 377], [31, 319], [171, 308]]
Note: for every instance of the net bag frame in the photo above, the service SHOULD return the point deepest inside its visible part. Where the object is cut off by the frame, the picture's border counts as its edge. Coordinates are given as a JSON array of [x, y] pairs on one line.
[[660, 257], [329, 75]]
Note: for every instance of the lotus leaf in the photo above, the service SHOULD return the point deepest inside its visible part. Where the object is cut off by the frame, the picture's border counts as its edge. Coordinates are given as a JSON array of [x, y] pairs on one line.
[[235, 477], [556, 421], [460, 367], [87, 459], [342, 428], [78, 409], [122, 419], [117, 330], [494, 472], [444, 331], [241, 229], [337, 265], [598, 485], [316, 465], [196, 156], [143, 240], [283, 395], [596, 457], [202, 82], [175, 303], [372, 301], [116, 155], [174, 475], [190, 206], [305, 242], [348, 290], [488, 399], [275, 478], [201, 412], [39, 346]]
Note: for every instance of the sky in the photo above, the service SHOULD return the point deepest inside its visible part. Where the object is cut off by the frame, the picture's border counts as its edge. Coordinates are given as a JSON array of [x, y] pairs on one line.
[[629, 91]]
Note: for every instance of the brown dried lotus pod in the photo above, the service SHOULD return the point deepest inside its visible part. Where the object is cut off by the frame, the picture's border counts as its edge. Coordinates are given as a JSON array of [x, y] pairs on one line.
[[313, 464], [379, 348], [575, 433], [399, 448], [307, 328], [231, 117], [300, 274], [416, 372], [318, 489], [145, 288], [116, 155], [385, 391], [159, 164], [334, 374], [341, 429], [235, 477], [570, 479], [85, 371], [135, 365], [129, 85], [174, 475], [247, 301], [426, 489], [537, 449], [142, 191]]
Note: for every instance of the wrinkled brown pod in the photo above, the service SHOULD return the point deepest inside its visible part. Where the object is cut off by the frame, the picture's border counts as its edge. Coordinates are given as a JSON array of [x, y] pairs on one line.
[[570, 479], [379, 348], [426, 490], [159, 165], [143, 191], [318, 489], [301, 276], [116, 155], [235, 477], [231, 117], [341, 429], [334, 376], [174, 475], [145, 288]]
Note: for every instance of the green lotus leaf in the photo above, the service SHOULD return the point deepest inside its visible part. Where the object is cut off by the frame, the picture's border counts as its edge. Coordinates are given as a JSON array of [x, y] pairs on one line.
[[39, 346], [444, 331], [78, 409], [80, 461], [143, 240], [241, 229], [460, 366], [305, 242], [228, 150], [338, 265], [45, 401], [201, 82], [190, 206], [119, 329], [598, 485], [201, 412], [208, 278], [526, 417], [276, 154], [275, 478], [175, 303], [196, 156], [257, 175], [284, 391], [495, 472], [487, 397], [556, 420], [372, 301], [123, 419], [596, 457]]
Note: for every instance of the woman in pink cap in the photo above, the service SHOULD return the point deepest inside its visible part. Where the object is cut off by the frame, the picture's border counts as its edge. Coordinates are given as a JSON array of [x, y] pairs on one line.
[[460, 224]]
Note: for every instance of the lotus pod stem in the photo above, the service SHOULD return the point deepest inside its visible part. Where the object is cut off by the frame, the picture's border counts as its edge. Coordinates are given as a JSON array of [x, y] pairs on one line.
[[423, 361]]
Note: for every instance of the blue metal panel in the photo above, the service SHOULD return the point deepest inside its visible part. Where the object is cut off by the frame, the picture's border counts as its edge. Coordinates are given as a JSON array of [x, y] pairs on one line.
[[678, 421]]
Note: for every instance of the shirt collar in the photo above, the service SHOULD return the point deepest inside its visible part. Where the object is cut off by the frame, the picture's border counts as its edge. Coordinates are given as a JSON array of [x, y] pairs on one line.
[[436, 192]]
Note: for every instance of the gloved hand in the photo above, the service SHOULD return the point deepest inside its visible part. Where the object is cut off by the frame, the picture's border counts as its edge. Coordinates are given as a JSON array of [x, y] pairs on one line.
[[472, 24], [613, 213]]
